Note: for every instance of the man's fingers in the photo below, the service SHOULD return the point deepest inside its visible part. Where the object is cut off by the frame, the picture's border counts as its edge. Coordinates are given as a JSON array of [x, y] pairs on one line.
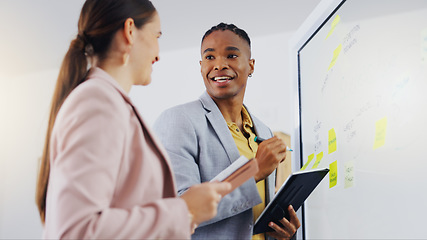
[[276, 144], [279, 232], [293, 217]]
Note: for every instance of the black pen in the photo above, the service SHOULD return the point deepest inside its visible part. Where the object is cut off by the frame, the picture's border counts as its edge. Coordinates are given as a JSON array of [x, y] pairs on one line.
[[260, 140]]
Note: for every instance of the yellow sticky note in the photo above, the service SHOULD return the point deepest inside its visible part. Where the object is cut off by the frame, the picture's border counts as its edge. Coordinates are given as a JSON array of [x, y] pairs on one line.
[[319, 157], [380, 132], [333, 25], [335, 57], [332, 141], [333, 174], [310, 157], [349, 174]]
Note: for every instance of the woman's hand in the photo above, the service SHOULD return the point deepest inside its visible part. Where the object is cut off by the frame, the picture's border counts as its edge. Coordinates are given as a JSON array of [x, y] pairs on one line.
[[202, 200]]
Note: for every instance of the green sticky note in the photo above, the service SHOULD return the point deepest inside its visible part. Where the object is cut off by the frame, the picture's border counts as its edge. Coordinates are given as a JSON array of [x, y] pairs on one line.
[[332, 141], [319, 157], [380, 132], [333, 174], [310, 157]]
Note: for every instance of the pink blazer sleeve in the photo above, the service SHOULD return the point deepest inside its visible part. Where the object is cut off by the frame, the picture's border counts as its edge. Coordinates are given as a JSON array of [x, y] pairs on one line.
[[90, 144]]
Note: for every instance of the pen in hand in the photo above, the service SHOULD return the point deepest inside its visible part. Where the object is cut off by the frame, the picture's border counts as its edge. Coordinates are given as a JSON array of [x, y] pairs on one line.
[[259, 140]]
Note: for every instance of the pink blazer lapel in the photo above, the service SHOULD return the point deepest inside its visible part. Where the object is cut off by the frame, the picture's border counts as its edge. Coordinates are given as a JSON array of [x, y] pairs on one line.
[[162, 151]]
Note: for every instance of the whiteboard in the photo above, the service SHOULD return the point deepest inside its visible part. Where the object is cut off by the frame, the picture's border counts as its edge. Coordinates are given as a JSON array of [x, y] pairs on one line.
[[361, 77]]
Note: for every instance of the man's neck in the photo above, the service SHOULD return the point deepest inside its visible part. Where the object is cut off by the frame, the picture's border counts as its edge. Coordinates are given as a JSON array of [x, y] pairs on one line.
[[231, 110]]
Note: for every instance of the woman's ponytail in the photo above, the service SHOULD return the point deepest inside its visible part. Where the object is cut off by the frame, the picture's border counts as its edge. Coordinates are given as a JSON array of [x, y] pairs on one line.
[[73, 71], [99, 21]]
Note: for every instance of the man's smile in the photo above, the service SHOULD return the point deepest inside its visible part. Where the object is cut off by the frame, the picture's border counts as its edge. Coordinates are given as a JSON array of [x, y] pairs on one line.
[[222, 79]]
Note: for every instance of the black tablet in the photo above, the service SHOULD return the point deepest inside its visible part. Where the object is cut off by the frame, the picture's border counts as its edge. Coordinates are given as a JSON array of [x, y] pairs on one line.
[[294, 191]]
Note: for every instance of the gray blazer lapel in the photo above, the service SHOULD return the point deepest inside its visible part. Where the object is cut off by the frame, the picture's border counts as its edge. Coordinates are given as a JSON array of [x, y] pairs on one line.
[[218, 123], [220, 127], [264, 132]]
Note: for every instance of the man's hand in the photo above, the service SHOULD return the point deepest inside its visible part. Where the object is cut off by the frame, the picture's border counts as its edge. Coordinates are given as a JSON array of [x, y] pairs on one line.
[[289, 227], [270, 153]]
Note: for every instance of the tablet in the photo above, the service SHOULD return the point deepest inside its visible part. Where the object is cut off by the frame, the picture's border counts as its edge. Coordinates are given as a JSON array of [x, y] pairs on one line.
[[294, 191]]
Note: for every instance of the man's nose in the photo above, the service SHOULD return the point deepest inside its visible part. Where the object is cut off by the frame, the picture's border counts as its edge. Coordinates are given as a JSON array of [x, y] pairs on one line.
[[221, 64]]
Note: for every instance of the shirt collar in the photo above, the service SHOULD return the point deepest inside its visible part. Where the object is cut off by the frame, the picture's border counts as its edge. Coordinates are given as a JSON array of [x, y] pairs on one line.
[[246, 118]]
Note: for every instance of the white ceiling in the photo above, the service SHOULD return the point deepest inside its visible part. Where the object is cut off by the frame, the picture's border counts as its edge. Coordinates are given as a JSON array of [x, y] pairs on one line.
[[36, 33]]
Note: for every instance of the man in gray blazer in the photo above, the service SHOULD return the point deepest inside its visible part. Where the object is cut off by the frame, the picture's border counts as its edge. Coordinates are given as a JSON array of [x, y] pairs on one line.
[[199, 139]]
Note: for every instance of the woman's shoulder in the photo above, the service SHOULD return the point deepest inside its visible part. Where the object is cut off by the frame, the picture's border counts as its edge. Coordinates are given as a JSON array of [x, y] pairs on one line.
[[96, 88], [95, 96]]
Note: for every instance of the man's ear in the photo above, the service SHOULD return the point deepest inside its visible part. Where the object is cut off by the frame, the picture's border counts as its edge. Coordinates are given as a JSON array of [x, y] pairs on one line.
[[128, 30], [252, 65]]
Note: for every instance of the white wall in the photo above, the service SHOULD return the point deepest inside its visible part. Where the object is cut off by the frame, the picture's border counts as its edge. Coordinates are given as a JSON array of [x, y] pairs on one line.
[[24, 102]]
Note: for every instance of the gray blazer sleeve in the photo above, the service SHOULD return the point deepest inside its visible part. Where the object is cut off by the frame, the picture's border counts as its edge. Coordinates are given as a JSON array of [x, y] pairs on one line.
[[200, 146], [198, 155]]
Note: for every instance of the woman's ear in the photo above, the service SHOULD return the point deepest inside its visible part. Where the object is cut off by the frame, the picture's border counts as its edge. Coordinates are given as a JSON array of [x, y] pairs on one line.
[[128, 30]]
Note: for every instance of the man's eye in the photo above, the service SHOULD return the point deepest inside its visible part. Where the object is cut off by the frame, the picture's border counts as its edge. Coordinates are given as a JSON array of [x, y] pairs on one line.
[[232, 56], [209, 57]]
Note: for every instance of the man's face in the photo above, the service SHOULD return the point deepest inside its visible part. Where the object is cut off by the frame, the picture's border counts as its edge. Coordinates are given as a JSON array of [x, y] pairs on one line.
[[225, 64]]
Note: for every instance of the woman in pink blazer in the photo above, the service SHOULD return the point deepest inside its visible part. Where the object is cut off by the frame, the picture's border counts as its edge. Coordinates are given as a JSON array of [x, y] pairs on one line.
[[103, 174]]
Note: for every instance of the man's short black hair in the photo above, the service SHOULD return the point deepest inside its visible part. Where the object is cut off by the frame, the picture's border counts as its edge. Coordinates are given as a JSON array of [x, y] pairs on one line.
[[224, 26]]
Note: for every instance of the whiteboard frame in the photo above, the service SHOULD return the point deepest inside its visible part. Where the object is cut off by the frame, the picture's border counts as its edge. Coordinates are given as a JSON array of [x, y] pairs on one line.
[[323, 11]]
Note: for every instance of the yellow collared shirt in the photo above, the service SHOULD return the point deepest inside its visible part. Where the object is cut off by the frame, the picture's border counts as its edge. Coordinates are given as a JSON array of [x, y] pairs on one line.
[[248, 147]]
